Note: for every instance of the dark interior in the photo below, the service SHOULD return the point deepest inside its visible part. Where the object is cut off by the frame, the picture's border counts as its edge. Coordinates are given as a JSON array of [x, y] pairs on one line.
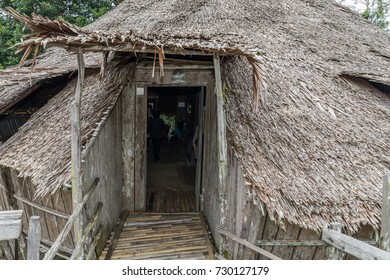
[[171, 180]]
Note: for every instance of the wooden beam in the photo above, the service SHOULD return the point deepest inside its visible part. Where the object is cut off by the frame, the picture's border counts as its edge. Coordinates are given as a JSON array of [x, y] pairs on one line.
[[77, 191], [10, 224], [33, 238], [385, 227], [68, 226], [247, 244], [42, 208], [353, 246]]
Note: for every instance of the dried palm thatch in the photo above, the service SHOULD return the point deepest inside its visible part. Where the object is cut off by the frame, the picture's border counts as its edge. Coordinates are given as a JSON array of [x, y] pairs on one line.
[[18, 82], [318, 151], [41, 149]]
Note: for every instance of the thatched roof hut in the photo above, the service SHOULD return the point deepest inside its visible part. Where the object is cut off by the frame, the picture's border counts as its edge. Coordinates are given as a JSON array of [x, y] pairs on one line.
[[316, 148]]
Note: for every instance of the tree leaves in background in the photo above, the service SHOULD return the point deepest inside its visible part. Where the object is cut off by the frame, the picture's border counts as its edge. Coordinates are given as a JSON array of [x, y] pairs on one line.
[[79, 12]]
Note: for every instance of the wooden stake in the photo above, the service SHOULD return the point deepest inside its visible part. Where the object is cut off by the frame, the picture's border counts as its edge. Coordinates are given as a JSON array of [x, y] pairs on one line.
[[385, 227], [33, 238], [77, 191]]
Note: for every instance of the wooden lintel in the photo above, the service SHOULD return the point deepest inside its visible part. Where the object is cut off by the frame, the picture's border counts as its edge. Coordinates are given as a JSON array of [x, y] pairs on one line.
[[136, 49]]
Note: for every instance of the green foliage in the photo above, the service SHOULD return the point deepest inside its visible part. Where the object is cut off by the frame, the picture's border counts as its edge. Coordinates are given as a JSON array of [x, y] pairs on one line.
[[78, 12], [378, 12], [169, 121]]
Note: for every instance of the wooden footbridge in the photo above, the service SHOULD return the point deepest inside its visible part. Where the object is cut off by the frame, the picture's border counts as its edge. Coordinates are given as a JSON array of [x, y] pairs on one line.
[[140, 236]]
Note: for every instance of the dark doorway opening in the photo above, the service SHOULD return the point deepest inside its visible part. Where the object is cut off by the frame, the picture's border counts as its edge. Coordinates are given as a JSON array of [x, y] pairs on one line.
[[171, 178]]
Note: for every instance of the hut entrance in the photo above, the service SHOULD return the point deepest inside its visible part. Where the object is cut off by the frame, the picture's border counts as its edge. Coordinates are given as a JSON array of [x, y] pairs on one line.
[[172, 160]]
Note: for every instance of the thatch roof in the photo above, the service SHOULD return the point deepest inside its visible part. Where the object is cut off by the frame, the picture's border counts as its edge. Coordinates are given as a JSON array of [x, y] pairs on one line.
[[317, 151], [41, 148], [18, 82]]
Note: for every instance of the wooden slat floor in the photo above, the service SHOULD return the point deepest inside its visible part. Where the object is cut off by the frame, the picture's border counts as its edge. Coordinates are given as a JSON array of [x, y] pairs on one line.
[[148, 236]]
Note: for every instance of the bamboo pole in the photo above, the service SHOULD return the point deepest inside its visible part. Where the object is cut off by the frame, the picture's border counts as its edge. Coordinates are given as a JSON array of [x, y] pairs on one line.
[[33, 238], [385, 227], [77, 191]]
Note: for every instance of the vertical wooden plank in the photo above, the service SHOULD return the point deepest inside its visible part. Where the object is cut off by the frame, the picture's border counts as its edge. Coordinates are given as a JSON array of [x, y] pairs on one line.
[[255, 219], [51, 220], [60, 204], [222, 148], [305, 252], [291, 232], [232, 199], [128, 142], [140, 148], [33, 238], [271, 230], [199, 156], [385, 227], [77, 191], [240, 209], [220, 115]]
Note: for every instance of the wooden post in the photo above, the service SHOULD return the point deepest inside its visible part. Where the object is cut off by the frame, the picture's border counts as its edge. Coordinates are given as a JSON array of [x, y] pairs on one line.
[[33, 238], [333, 253], [222, 149], [385, 227], [77, 191]]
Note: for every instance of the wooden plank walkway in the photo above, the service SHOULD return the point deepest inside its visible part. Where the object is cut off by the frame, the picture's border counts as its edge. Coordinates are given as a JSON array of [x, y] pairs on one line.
[[147, 236]]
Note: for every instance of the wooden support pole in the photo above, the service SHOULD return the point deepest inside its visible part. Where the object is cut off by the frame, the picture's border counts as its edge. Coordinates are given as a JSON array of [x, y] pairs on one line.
[[222, 150], [332, 253], [33, 238], [68, 226], [385, 227], [77, 191]]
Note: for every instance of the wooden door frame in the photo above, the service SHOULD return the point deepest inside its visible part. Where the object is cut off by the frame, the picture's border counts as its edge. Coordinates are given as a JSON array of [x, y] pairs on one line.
[[135, 103]]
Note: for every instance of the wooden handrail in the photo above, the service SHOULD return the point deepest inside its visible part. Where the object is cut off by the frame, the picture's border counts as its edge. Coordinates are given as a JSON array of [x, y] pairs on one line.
[[87, 230], [353, 246], [247, 244], [68, 226]]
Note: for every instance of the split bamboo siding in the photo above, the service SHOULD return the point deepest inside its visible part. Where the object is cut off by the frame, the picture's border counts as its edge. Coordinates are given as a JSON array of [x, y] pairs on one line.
[[147, 236]]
